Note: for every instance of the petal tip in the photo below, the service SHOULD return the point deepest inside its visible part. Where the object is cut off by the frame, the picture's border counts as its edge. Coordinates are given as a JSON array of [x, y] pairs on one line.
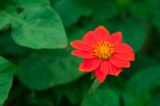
[[116, 37], [117, 74], [128, 66], [101, 27], [101, 80], [81, 70], [71, 43], [72, 52]]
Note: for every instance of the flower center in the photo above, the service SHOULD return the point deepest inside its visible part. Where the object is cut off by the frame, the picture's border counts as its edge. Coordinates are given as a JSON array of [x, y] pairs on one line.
[[103, 50]]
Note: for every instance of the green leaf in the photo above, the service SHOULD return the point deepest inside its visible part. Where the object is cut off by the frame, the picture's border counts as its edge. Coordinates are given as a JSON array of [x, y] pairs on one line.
[[3, 4], [143, 60], [71, 11], [94, 10], [133, 33], [155, 95], [156, 20], [45, 69], [56, 67], [7, 16], [102, 97], [102, 11], [30, 3], [147, 11], [140, 11], [9, 47], [6, 77], [75, 91], [39, 27], [3, 22], [123, 4], [155, 7], [137, 90]]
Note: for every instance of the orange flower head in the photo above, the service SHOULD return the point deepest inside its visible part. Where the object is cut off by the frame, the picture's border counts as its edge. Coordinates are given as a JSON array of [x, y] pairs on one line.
[[104, 53], [103, 50]]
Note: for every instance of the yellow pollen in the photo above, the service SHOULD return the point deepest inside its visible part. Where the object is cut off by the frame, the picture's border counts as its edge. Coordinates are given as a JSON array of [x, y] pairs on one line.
[[103, 50]]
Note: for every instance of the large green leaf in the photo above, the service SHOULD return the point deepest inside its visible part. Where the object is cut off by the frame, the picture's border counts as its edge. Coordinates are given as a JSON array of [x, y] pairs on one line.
[[93, 10], [56, 67], [102, 97], [138, 89], [6, 16], [143, 60], [6, 77], [75, 91], [140, 11], [71, 10], [147, 11], [3, 4], [9, 47], [123, 4], [45, 69], [3, 22], [156, 20], [155, 7], [29, 3], [37, 27], [102, 11]]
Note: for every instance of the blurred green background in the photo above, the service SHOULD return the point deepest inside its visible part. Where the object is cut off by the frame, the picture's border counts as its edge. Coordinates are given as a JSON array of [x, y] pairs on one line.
[[36, 68]]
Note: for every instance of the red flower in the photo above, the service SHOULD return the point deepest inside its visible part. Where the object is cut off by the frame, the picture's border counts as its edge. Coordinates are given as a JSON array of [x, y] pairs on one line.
[[104, 53]]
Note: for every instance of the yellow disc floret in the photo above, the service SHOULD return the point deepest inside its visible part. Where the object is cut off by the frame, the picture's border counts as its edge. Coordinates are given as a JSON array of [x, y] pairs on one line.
[[103, 50]]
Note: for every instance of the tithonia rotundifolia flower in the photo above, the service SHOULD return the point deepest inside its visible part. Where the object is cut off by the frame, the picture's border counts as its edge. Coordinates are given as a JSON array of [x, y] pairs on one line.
[[104, 53]]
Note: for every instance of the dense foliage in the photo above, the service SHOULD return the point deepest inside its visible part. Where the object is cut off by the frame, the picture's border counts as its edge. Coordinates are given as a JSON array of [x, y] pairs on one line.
[[36, 68]]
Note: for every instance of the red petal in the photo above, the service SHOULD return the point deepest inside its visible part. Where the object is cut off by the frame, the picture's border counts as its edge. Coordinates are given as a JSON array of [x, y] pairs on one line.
[[119, 62], [89, 38], [99, 75], [82, 54], [129, 56], [104, 67], [80, 45], [114, 70], [89, 64], [102, 34], [124, 51], [122, 47], [116, 37]]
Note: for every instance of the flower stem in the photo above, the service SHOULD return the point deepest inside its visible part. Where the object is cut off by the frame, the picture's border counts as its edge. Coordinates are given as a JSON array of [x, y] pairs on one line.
[[94, 86]]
